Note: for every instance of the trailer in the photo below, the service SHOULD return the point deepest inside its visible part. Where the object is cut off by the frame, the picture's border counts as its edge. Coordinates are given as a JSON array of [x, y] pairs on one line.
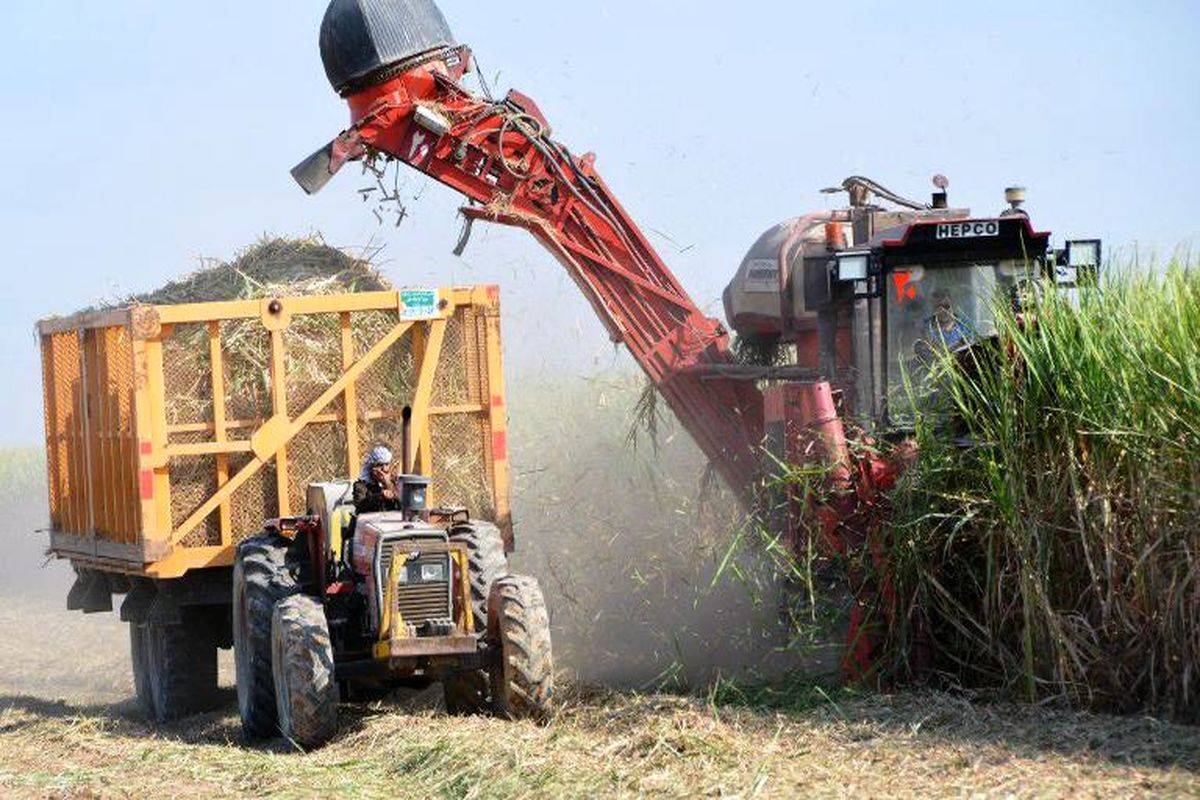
[[163, 455]]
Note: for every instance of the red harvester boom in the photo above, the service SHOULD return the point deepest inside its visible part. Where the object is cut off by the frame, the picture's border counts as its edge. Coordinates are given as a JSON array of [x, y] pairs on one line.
[[500, 155]]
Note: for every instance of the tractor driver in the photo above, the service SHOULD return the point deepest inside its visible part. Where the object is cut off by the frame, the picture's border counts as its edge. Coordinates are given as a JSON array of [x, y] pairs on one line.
[[946, 328], [375, 489]]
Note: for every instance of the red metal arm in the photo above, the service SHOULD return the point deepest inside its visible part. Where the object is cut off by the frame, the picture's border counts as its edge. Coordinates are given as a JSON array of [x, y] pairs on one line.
[[500, 156]]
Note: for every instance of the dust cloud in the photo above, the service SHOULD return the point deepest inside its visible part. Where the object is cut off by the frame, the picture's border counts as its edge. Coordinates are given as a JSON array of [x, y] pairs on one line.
[[647, 581], [652, 576], [46, 651]]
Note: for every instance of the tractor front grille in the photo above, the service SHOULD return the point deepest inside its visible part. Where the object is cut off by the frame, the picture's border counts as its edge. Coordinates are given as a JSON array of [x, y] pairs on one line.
[[418, 598], [425, 601]]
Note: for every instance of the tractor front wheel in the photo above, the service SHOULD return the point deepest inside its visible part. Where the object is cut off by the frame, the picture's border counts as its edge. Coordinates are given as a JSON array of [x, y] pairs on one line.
[[523, 676], [306, 692]]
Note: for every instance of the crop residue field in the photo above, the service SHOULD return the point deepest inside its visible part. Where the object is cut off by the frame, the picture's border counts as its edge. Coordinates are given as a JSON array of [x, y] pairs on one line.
[[632, 612]]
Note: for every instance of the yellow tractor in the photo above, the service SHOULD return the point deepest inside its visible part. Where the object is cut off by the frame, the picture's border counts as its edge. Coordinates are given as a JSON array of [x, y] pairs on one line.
[[359, 601]]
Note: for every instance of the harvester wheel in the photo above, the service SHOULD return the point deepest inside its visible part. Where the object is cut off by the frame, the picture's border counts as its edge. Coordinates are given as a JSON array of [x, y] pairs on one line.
[[467, 692], [487, 561], [523, 676], [306, 692], [261, 578]]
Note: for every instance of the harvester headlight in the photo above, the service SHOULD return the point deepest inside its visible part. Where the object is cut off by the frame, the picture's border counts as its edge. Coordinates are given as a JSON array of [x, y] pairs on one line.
[[852, 266], [1083, 254], [1079, 263]]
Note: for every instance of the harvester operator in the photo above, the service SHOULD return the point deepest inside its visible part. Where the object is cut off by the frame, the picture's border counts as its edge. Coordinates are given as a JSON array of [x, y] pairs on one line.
[[375, 489], [946, 328]]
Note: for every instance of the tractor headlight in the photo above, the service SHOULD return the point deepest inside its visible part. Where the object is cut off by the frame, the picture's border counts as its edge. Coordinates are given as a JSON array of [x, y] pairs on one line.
[[431, 573]]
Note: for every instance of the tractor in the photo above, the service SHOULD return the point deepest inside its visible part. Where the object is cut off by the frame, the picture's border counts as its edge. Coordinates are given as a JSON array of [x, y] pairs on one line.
[[336, 603]]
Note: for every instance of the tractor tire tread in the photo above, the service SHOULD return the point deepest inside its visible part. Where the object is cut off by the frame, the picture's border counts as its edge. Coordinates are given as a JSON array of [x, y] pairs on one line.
[[306, 688], [523, 679], [262, 561], [486, 560], [139, 654], [174, 670]]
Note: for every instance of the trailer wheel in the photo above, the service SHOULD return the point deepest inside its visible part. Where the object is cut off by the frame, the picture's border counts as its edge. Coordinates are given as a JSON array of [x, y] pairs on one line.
[[487, 561], [306, 692], [139, 659], [523, 676], [181, 670], [260, 579], [467, 692]]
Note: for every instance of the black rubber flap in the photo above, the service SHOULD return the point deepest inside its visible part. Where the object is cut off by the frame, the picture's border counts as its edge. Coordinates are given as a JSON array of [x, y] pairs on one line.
[[362, 38]]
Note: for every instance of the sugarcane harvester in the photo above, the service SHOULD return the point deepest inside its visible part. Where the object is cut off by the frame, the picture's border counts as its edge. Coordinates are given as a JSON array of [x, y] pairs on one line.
[[847, 295]]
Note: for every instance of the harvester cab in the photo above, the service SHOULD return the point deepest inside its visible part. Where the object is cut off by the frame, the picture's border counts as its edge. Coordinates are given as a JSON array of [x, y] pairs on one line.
[[866, 296]]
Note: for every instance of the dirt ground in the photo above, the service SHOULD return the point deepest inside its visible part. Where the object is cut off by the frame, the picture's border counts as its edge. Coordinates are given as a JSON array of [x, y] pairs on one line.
[[617, 744], [68, 729]]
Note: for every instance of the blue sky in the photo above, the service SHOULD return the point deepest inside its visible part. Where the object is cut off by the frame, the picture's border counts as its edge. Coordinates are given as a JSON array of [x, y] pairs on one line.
[[140, 135]]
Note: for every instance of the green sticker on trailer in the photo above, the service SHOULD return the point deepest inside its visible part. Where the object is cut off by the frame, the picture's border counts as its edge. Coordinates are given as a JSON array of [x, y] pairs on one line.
[[419, 304]]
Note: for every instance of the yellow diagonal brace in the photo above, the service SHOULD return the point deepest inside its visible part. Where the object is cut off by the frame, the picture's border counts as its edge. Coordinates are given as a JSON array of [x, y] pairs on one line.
[[279, 431], [424, 393]]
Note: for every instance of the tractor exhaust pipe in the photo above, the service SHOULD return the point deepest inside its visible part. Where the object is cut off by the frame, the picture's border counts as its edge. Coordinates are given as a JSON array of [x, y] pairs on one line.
[[405, 440]]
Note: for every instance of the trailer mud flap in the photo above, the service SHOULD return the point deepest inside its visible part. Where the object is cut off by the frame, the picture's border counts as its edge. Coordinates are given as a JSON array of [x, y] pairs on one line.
[[137, 602], [90, 593]]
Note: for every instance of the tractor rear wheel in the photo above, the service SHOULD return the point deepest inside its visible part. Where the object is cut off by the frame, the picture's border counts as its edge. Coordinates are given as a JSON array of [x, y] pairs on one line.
[[523, 676], [469, 692], [261, 578], [306, 692], [487, 561]]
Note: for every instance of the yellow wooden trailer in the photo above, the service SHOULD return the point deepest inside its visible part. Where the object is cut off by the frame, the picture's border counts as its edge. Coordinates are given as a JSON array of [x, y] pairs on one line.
[[174, 431]]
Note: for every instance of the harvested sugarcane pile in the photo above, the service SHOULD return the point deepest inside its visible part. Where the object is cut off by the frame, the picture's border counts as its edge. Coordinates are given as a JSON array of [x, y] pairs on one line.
[[312, 359], [271, 268]]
